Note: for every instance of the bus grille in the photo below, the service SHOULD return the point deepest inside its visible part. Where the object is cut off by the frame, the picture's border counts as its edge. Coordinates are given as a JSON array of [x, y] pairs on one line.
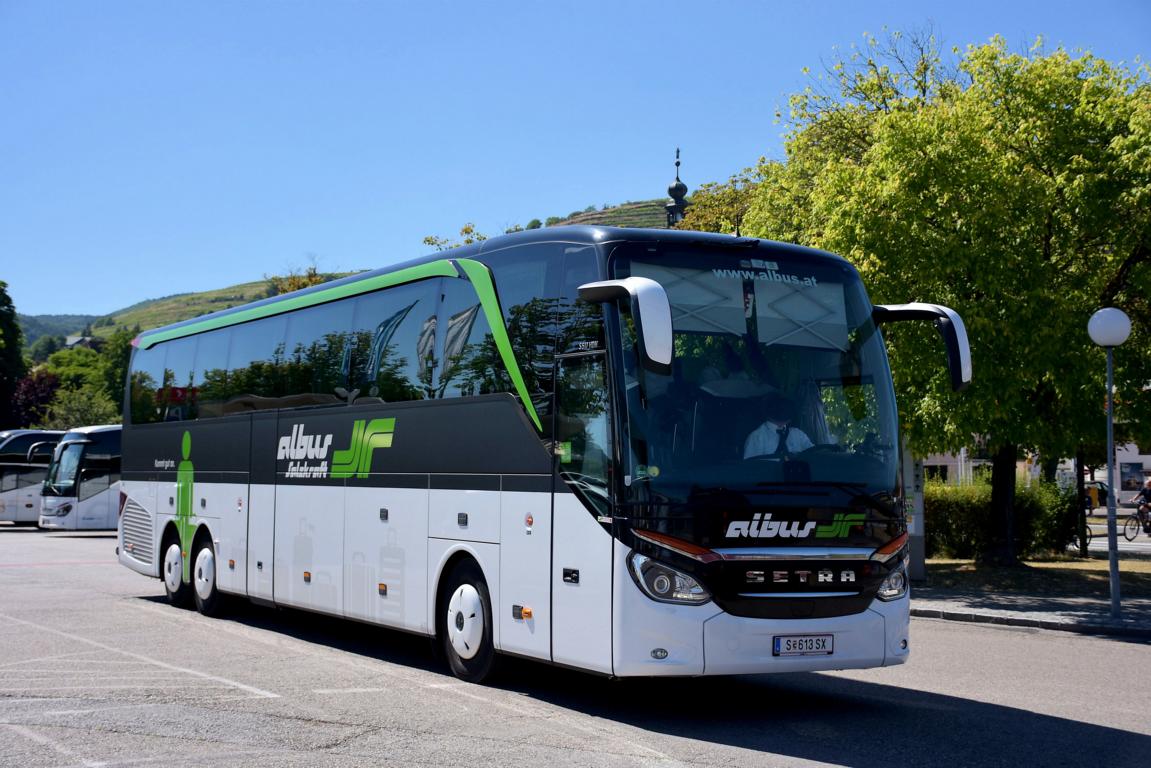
[[136, 532]]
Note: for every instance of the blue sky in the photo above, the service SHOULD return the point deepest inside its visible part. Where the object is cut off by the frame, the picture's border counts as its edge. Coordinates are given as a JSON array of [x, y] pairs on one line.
[[150, 148]]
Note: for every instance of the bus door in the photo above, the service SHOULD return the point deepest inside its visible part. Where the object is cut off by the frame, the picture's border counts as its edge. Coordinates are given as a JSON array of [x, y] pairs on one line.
[[581, 531]]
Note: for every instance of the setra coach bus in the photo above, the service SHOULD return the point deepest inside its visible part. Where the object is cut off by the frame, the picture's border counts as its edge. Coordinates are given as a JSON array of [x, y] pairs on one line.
[[554, 444]]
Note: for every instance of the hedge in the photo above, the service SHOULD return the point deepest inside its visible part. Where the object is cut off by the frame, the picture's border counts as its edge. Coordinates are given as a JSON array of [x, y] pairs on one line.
[[957, 519]]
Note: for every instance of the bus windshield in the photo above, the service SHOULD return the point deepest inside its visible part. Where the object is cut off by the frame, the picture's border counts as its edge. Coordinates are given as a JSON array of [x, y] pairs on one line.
[[62, 474], [779, 383]]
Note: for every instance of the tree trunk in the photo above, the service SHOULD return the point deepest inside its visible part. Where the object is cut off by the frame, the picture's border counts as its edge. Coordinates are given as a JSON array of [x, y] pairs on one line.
[[1049, 468], [1001, 536]]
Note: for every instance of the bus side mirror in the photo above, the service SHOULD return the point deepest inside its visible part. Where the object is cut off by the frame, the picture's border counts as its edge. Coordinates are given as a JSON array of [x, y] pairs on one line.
[[950, 327], [650, 311]]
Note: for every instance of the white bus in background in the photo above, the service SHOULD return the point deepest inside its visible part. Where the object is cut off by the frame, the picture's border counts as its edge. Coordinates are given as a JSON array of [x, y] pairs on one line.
[[24, 458], [82, 487], [20, 445], [20, 492]]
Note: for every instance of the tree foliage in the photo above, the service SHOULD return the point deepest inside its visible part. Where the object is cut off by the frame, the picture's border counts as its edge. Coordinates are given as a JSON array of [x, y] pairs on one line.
[[468, 235], [83, 406], [44, 346], [1015, 188], [11, 355], [295, 280], [77, 367], [722, 206], [34, 393]]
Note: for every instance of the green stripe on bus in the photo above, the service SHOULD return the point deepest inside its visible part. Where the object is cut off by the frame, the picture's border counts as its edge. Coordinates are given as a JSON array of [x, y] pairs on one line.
[[442, 268], [481, 279]]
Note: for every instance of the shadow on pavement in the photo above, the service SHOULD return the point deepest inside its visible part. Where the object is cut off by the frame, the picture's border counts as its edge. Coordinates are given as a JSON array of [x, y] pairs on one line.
[[807, 716], [832, 720]]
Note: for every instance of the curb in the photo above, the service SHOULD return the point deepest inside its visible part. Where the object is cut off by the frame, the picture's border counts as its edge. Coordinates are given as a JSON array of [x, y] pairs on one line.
[[1082, 627]]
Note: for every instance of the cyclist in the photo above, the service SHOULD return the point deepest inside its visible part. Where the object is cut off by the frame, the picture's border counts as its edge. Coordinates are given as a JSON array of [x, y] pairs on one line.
[[1144, 499]]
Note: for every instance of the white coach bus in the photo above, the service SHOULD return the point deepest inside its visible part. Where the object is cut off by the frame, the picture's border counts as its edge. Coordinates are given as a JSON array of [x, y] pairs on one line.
[[24, 458], [82, 488], [553, 445]]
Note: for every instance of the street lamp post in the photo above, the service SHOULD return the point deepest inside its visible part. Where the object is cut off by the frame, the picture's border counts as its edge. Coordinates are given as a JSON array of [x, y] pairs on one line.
[[1109, 328]]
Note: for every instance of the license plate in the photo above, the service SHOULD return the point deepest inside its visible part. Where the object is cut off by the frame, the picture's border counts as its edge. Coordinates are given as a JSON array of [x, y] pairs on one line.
[[803, 645]]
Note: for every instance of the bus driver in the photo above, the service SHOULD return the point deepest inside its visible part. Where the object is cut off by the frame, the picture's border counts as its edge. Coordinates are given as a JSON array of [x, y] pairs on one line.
[[776, 436]]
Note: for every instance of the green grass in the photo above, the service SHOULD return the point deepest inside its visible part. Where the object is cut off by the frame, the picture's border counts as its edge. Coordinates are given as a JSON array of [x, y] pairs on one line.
[[647, 213]]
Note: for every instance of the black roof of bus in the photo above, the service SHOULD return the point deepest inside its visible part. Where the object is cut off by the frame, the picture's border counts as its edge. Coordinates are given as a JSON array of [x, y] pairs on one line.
[[577, 234]]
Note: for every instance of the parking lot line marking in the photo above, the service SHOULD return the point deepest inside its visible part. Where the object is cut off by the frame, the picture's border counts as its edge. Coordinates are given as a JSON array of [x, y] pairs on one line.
[[57, 746], [140, 657], [58, 562]]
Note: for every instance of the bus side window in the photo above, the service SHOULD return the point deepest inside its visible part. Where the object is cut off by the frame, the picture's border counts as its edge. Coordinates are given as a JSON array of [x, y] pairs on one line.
[[391, 343], [314, 353], [580, 323], [468, 362], [32, 477], [178, 398], [210, 378], [95, 477], [254, 359], [146, 384], [527, 281], [583, 441]]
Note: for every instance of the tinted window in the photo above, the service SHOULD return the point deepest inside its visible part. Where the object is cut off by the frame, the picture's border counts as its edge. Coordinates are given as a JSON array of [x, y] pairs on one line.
[[392, 348], [316, 354], [255, 365], [8, 478], [32, 477], [16, 448], [580, 323], [177, 399], [468, 361], [210, 377], [147, 379], [527, 281]]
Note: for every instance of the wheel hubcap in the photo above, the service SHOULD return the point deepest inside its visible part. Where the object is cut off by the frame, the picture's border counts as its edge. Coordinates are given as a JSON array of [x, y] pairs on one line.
[[466, 621], [205, 576], [173, 567]]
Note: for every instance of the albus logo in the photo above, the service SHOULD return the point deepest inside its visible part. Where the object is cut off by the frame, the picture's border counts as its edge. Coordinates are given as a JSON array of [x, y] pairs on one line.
[[300, 449], [763, 527]]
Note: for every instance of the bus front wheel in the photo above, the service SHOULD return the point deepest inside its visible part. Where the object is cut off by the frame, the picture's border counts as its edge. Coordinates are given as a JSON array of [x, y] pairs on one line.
[[204, 577], [173, 574], [467, 629]]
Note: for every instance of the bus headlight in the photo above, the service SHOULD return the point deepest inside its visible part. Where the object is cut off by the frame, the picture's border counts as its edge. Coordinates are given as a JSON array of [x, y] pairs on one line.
[[60, 511], [895, 585], [665, 584]]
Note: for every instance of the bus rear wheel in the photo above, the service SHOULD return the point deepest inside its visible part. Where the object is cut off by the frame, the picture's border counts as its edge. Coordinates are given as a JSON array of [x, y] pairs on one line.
[[204, 577], [466, 632], [173, 573]]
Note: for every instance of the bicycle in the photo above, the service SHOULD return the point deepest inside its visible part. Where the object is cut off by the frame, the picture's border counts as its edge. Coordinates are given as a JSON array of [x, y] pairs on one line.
[[1075, 544], [1132, 523]]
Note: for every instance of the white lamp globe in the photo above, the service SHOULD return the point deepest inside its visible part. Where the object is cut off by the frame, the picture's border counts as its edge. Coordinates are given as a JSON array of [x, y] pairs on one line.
[[1109, 327]]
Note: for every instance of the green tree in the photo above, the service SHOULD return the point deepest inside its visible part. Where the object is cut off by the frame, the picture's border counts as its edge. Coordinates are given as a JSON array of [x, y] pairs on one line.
[[44, 346], [114, 358], [77, 367], [82, 406], [1015, 189], [534, 224], [468, 235], [722, 206], [34, 393], [12, 367], [294, 281]]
